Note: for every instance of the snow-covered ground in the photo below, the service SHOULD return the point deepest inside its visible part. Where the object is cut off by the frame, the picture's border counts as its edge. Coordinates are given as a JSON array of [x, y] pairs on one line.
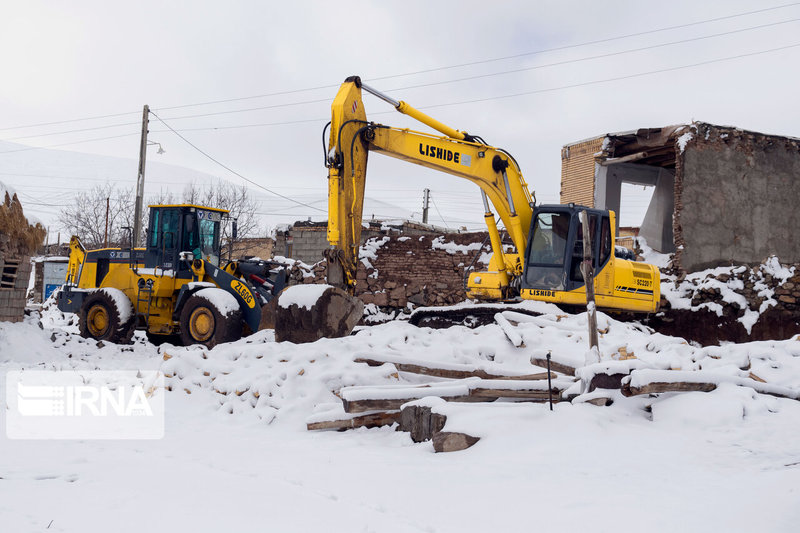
[[236, 455]]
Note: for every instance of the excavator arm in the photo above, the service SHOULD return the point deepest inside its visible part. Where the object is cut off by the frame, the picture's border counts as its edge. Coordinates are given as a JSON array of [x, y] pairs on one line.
[[457, 153]]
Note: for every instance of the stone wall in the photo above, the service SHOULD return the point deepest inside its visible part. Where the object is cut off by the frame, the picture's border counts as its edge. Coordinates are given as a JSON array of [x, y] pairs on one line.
[[734, 304], [399, 269]]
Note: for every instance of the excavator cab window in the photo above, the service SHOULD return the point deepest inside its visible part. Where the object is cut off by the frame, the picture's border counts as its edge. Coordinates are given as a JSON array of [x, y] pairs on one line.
[[547, 251]]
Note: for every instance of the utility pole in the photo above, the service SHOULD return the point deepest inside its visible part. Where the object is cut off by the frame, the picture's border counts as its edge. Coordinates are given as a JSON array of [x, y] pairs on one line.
[[426, 197], [588, 279], [106, 233], [137, 213]]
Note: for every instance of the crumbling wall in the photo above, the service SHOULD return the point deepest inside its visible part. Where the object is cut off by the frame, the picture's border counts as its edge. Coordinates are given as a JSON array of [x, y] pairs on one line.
[[18, 240], [736, 198], [399, 269], [732, 304]]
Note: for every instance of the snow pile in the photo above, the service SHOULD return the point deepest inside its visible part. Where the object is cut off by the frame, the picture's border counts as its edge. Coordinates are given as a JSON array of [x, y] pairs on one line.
[[122, 303], [452, 248], [729, 284], [369, 250], [222, 300], [304, 296], [226, 406]]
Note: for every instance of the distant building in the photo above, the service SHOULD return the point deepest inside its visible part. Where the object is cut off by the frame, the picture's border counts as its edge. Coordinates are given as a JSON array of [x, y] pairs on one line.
[[722, 194]]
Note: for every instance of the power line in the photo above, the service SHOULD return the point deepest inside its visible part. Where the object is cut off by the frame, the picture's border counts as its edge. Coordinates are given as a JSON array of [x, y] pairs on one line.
[[187, 141], [587, 43], [599, 56], [618, 78], [97, 117], [536, 91], [410, 73], [27, 148], [439, 212], [70, 131], [480, 76]]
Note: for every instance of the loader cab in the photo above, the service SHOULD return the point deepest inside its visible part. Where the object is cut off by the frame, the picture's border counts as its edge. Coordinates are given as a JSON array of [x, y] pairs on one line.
[[182, 228], [555, 246]]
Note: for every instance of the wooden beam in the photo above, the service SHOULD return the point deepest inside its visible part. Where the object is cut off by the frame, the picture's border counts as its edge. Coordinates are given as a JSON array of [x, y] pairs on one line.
[[537, 395], [659, 387], [470, 391], [430, 369], [378, 404], [368, 421], [554, 365]]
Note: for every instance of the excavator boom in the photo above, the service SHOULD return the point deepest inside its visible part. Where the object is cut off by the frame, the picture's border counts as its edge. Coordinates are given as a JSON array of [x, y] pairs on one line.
[[456, 153], [547, 271]]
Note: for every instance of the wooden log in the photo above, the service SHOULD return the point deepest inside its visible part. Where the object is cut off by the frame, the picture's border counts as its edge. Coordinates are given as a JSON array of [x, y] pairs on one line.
[[430, 369], [555, 366], [421, 422], [447, 441], [675, 386], [368, 421], [536, 395], [362, 406], [473, 390]]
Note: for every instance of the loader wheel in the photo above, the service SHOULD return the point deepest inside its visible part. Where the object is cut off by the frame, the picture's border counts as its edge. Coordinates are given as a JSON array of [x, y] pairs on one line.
[[203, 323], [107, 315]]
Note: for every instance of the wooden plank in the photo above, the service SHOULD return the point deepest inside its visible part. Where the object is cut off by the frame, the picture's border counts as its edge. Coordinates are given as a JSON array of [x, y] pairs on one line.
[[430, 369], [368, 421], [535, 395], [684, 386], [476, 393], [362, 406], [556, 367], [676, 386]]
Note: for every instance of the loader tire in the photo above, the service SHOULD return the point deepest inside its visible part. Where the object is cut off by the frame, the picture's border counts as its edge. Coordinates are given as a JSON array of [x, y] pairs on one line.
[[107, 315], [202, 322]]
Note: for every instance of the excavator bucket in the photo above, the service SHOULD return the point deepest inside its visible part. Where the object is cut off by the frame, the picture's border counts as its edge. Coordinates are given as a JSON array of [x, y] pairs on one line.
[[307, 313]]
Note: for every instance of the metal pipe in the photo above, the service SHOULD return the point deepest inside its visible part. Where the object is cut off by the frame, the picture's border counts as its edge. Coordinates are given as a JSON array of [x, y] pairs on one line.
[[508, 195], [416, 114], [485, 202], [384, 97]]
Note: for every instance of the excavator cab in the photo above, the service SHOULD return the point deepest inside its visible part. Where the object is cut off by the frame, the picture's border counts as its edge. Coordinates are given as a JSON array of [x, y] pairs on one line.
[[555, 252], [174, 229]]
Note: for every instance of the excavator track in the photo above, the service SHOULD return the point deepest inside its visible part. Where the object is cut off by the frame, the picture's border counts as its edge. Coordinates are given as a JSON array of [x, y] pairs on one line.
[[471, 316]]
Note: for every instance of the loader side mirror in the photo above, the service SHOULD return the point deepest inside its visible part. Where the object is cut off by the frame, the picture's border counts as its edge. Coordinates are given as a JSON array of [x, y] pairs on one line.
[[234, 230], [189, 223]]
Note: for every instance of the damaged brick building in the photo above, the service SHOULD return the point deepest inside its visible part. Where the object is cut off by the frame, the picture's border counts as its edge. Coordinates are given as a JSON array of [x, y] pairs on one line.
[[18, 240], [722, 195]]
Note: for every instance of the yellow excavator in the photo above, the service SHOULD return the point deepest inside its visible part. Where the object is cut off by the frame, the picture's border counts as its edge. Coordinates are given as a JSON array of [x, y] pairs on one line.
[[548, 239]]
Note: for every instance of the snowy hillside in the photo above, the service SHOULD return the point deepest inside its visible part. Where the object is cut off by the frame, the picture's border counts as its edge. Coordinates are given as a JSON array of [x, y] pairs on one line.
[[236, 454]]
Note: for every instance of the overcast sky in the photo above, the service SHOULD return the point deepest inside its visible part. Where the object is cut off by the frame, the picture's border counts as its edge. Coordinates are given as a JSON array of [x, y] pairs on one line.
[[79, 59]]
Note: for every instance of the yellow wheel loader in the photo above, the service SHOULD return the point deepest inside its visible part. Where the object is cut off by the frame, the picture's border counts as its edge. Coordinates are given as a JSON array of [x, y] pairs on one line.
[[547, 239], [173, 286]]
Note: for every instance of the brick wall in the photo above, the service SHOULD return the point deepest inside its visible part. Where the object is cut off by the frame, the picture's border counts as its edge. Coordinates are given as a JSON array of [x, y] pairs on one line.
[[577, 171], [13, 292]]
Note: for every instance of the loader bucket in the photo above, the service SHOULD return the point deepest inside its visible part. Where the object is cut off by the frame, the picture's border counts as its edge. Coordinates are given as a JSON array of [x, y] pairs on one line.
[[307, 313]]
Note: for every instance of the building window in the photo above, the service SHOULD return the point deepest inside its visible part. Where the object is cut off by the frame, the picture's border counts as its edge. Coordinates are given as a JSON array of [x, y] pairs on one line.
[[8, 277]]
